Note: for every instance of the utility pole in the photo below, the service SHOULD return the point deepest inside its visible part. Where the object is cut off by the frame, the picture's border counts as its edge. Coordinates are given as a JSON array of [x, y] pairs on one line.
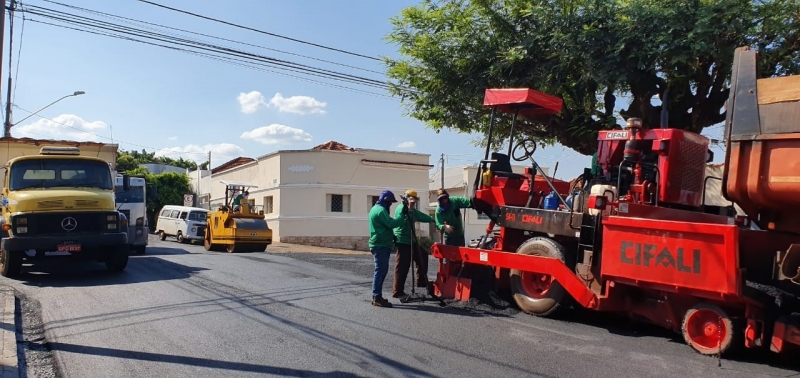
[[2, 40], [441, 166], [7, 127]]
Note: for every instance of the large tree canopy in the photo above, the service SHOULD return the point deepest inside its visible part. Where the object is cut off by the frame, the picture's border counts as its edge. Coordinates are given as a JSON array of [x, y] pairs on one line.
[[588, 52], [128, 160]]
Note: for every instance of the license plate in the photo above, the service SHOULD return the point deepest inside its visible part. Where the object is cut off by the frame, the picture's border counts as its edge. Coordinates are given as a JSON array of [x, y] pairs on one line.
[[69, 248]]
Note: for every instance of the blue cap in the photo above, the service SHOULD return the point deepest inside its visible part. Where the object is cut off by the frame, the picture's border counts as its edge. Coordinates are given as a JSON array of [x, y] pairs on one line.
[[387, 195]]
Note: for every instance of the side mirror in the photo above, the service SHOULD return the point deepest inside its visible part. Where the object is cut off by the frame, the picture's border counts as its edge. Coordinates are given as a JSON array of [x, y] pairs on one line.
[[709, 156], [152, 192], [126, 182]]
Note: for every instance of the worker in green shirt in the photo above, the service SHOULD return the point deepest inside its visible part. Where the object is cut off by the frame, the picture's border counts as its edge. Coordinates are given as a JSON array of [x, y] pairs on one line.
[[381, 242], [448, 217], [404, 244], [237, 201]]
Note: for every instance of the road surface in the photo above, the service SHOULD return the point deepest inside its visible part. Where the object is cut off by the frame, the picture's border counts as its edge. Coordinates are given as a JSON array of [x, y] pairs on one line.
[[180, 311]]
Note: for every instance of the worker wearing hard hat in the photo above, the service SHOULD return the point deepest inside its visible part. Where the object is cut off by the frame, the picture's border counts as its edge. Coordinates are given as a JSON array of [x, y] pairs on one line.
[[448, 217], [381, 240], [404, 251]]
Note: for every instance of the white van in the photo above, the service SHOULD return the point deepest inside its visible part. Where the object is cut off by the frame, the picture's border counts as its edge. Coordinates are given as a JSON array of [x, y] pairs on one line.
[[185, 223]]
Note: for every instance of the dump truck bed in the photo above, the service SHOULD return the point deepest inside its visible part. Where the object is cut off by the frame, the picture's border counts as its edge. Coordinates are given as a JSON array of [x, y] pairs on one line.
[[762, 132]]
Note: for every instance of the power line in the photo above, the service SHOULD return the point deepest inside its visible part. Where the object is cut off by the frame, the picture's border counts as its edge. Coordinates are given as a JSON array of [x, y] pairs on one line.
[[108, 15], [258, 31], [225, 52], [80, 20], [217, 58]]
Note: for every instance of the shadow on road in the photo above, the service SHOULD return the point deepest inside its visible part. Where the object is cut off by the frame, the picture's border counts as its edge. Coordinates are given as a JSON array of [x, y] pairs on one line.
[[68, 273], [194, 361], [163, 251]]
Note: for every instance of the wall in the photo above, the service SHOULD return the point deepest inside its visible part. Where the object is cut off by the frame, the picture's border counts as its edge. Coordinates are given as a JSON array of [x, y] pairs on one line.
[[299, 182], [308, 177]]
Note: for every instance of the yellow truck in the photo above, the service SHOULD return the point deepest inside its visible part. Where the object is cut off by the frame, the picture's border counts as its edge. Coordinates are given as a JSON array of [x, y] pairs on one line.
[[58, 199]]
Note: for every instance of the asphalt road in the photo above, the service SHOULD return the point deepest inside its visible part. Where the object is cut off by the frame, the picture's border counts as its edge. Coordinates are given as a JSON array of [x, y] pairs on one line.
[[180, 311]]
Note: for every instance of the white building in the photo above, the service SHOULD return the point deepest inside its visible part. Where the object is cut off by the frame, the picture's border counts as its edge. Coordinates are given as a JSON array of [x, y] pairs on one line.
[[459, 181], [320, 196]]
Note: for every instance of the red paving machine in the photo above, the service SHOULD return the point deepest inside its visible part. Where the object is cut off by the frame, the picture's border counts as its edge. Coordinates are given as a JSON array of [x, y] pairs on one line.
[[636, 239]]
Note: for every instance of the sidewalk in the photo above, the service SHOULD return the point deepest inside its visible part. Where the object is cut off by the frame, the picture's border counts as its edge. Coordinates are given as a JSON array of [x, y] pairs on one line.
[[8, 355], [298, 248]]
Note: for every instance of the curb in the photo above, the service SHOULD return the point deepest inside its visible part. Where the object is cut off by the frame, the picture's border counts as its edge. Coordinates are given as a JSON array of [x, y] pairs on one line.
[[8, 357]]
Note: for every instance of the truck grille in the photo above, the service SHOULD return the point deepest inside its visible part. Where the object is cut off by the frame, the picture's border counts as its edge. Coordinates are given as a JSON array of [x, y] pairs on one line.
[[50, 223], [201, 230]]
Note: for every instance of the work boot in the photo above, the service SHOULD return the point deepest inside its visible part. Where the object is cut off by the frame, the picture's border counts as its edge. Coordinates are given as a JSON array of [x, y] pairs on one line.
[[381, 302], [399, 294]]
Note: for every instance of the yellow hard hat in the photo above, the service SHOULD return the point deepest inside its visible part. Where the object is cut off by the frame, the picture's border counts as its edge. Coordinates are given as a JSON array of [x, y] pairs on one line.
[[411, 193]]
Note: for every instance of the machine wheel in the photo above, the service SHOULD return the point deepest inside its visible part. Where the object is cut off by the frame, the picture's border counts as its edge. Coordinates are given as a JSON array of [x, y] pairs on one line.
[[180, 238], [538, 294], [207, 243], [709, 330], [140, 249], [234, 248], [118, 259], [162, 235], [10, 263]]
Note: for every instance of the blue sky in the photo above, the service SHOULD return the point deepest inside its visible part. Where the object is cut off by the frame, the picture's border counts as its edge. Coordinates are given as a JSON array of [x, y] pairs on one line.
[[184, 105]]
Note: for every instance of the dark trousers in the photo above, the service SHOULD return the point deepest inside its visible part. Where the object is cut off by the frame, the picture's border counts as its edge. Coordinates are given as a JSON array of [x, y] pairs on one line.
[[403, 263]]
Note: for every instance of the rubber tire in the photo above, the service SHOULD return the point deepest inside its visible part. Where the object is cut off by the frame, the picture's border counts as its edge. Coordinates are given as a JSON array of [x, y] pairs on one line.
[[140, 249], [118, 259], [556, 297], [731, 344], [162, 235], [180, 238], [12, 264]]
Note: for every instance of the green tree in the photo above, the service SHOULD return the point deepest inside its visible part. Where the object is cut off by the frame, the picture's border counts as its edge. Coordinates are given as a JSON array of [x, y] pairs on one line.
[[588, 52], [171, 187], [128, 160]]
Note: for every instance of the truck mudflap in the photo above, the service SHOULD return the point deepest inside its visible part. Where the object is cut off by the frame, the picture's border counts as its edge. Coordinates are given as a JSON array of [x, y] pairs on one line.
[[52, 243], [449, 285], [786, 331]]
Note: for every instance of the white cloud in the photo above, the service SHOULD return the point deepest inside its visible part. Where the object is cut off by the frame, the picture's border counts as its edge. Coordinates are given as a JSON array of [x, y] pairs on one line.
[[220, 152], [407, 145], [277, 134], [64, 127], [253, 101], [298, 104]]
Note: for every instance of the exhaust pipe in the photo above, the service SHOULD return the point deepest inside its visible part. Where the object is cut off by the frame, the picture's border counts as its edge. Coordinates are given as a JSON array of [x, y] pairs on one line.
[[664, 111]]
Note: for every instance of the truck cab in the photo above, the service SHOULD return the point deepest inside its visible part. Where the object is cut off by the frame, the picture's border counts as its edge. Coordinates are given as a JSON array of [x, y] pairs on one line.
[[59, 201], [133, 203]]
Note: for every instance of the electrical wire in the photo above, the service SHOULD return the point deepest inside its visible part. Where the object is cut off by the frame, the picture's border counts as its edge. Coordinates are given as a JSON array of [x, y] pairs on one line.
[[108, 15], [275, 63], [259, 31], [217, 58]]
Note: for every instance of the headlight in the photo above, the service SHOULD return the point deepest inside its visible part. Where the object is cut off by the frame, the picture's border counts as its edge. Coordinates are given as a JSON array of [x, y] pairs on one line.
[[22, 230], [194, 229], [111, 218], [21, 221], [139, 221]]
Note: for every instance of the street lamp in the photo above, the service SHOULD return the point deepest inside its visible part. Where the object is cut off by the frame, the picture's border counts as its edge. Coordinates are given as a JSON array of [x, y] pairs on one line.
[[9, 125]]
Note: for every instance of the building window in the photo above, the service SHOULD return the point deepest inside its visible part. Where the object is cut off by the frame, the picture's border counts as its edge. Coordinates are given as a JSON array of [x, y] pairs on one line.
[[373, 200], [338, 203], [268, 205]]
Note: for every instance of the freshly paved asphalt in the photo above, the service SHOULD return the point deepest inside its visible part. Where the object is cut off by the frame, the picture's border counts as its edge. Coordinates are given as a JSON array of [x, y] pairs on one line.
[[180, 311]]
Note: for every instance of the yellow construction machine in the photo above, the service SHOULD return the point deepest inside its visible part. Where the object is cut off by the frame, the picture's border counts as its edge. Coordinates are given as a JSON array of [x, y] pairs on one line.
[[237, 228]]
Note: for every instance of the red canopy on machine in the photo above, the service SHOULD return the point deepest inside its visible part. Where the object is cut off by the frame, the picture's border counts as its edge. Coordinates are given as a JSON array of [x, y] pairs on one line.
[[533, 103]]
